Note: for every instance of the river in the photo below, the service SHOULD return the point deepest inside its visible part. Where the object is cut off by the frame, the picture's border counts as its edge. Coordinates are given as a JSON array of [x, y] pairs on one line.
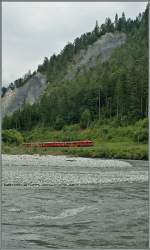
[[72, 202]]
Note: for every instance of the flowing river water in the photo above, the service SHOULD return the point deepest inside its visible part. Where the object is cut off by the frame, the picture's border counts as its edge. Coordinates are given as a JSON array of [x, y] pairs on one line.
[[73, 202]]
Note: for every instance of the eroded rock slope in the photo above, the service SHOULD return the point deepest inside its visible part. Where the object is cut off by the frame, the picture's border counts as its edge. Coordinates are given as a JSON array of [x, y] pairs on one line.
[[99, 51], [28, 93]]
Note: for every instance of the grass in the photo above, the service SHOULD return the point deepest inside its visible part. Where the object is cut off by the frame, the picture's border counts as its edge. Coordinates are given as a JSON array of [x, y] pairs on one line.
[[110, 141], [104, 150]]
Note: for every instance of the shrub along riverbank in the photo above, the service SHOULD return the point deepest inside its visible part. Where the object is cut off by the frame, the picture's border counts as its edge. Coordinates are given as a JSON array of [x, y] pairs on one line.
[[111, 140]]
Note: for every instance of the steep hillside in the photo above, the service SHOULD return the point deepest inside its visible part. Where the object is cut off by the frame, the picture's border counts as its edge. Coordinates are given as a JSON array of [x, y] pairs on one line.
[[99, 52], [103, 74], [32, 90], [29, 93]]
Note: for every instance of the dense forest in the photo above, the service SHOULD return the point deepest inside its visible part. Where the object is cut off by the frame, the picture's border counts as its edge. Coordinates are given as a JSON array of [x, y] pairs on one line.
[[116, 89]]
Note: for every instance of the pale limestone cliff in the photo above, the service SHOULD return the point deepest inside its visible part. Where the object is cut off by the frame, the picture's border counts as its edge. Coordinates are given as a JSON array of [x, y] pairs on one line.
[[99, 52]]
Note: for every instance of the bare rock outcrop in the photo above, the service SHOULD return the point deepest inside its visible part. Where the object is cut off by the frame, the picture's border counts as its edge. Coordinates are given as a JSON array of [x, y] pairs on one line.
[[99, 51], [28, 93]]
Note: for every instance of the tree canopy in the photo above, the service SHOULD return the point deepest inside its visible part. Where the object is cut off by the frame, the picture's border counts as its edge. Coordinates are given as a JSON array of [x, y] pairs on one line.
[[122, 81]]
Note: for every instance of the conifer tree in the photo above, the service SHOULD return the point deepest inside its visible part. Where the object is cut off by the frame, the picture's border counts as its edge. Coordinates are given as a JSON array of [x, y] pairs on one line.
[[96, 29], [116, 22]]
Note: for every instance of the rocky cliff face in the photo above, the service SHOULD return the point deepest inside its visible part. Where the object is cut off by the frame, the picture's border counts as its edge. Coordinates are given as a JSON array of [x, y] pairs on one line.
[[100, 51], [28, 93]]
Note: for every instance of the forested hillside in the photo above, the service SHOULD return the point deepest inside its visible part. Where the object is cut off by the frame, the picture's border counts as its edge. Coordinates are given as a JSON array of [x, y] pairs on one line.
[[117, 88]]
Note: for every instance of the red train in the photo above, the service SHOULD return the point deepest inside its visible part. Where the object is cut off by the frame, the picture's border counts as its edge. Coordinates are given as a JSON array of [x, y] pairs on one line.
[[85, 143]]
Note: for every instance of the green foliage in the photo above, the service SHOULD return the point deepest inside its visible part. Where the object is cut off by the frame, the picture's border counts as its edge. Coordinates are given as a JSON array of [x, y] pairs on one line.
[[97, 132], [71, 128], [122, 82], [141, 136], [85, 119], [4, 89], [24, 119], [59, 123], [143, 123], [110, 142], [12, 137]]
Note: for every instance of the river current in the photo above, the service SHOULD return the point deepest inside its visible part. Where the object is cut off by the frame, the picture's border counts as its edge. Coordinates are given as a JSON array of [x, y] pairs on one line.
[[72, 202]]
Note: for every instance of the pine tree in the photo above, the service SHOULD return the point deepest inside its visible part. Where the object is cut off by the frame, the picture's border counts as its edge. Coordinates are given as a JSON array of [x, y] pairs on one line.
[[96, 29], [109, 25], [116, 22], [123, 22]]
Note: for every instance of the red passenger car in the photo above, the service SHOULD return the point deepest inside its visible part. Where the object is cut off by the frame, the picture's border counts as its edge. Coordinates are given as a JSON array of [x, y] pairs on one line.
[[85, 143]]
